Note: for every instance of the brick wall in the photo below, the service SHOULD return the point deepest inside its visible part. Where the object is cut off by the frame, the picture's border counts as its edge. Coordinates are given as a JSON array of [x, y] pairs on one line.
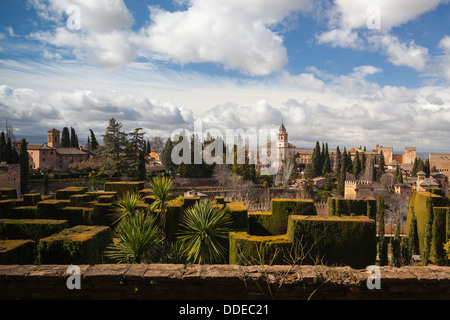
[[221, 282]]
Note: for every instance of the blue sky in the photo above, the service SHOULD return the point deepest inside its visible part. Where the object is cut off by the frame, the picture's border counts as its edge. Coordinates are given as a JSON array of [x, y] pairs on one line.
[[160, 65]]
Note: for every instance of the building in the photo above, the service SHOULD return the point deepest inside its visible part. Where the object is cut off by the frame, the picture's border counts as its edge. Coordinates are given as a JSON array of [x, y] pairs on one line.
[[436, 181], [282, 146], [49, 156], [441, 161], [358, 189]]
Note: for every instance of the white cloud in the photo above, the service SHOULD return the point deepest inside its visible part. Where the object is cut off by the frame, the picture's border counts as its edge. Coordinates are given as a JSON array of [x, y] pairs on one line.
[[235, 34], [401, 54], [344, 38]]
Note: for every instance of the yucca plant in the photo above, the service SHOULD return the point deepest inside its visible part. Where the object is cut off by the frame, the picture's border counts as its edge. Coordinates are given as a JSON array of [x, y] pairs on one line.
[[162, 192], [203, 229], [126, 206], [137, 239], [175, 252]]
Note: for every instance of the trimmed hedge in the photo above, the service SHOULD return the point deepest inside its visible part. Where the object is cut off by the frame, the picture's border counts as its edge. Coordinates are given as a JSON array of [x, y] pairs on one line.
[[123, 187], [336, 240], [259, 223], [435, 215], [6, 206], [24, 212], [78, 200], [77, 245], [50, 209], [246, 249], [31, 199], [30, 228], [79, 216], [17, 251], [352, 207], [239, 214], [10, 193], [64, 194]]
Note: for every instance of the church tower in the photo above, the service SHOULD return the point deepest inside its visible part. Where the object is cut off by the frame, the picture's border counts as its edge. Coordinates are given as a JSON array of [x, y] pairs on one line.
[[282, 142], [53, 138]]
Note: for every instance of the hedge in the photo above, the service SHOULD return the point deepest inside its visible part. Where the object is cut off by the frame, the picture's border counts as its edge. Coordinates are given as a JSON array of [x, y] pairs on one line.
[[260, 223], [239, 214], [247, 249], [123, 187], [10, 193], [352, 207], [17, 251], [30, 228], [50, 209], [429, 238], [77, 245], [336, 240], [79, 216], [31, 199], [6, 206], [64, 194], [23, 212]]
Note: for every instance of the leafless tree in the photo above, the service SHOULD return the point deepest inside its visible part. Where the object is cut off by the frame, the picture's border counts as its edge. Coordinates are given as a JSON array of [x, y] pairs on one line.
[[157, 144]]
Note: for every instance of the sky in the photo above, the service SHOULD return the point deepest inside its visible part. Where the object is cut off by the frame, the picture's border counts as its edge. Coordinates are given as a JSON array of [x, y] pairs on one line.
[[347, 72]]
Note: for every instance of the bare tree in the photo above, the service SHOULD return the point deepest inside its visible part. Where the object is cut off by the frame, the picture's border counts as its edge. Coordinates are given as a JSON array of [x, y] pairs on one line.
[[157, 144]]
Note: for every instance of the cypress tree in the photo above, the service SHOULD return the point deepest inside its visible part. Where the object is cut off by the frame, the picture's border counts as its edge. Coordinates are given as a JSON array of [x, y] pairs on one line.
[[428, 232], [426, 168], [166, 156], [94, 143], [316, 162], [356, 170], [337, 161], [373, 172], [141, 166], [2, 146], [363, 161], [340, 188], [412, 234], [65, 138], [382, 242], [149, 147], [414, 168], [396, 244], [327, 162], [24, 167], [8, 151], [381, 167]]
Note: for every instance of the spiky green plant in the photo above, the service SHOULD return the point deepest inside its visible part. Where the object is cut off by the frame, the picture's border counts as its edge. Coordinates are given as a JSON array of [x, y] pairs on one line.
[[175, 252], [137, 239], [126, 206], [203, 229], [162, 192]]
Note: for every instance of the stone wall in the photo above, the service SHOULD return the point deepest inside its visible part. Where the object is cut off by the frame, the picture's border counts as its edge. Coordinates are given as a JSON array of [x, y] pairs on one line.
[[221, 282], [10, 176]]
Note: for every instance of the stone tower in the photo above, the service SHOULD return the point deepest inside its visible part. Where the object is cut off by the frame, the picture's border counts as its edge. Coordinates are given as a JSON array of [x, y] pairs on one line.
[[53, 138], [282, 143]]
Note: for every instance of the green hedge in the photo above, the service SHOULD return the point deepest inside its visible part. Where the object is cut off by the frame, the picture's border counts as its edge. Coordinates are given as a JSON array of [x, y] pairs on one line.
[[64, 194], [24, 212], [17, 251], [283, 208], [336, 240], [50, 209], [10, 193], [79, 200], [259, 223], [430, 209], [31, 199], [77, 245], [352, 207], [239, 214], [6, 206], [30, 228], [124, 187], [247, 249]]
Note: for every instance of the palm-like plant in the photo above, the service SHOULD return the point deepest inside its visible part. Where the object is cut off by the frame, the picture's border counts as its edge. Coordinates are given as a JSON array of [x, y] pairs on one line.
[[126, 206], [137, 239], [161, 190], [203, 229]]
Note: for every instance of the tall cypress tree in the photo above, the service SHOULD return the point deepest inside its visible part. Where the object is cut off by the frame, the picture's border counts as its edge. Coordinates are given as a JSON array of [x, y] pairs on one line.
[[382, 242], [166, 156], [65, 138], [316, 166], [8, 151], [2, 146], [340, 188], [381, 167], [356, 170], [337, 161], [73, 138], [94, 143], [24, 167]]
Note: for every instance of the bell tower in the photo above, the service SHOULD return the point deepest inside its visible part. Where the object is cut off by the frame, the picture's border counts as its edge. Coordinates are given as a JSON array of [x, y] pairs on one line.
[[53, 138], [282, 142]]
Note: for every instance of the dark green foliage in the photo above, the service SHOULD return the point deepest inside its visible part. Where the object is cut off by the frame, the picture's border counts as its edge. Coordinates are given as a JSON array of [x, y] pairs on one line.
[[31, 199], [239, 215], [73, 138], [17, 252], [336, 240], [283, 208], [30, 228], [396, 246], [382, 241], [77, 245], [2, 147], [166, 157], [352, 207], [357, 168], [24, 167], [316, 163], [65, 138], [340, 188], [246, 249], [123, 187], [427, 232], [66, 193], [94, 142], [381, 166], [438, 235]]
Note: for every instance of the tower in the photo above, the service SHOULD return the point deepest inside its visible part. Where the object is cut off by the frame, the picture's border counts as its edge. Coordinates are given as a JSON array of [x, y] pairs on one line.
[[53, 138], [282, 143]]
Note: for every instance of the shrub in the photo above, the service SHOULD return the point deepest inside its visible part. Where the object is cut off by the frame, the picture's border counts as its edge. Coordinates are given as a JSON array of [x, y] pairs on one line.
[[17, 251], [30, 228], [77, 245]]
